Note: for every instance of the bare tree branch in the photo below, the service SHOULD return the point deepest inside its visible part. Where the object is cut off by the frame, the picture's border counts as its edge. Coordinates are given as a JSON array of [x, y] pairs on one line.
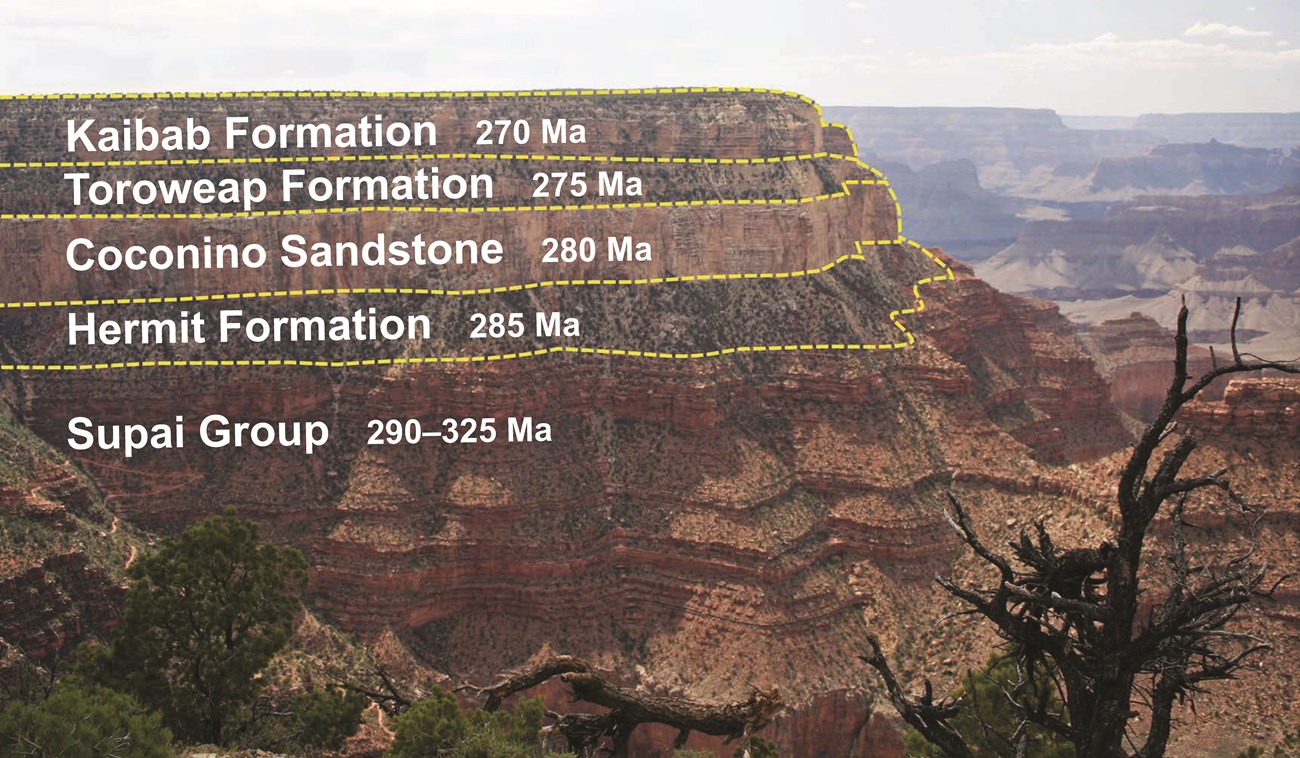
[[1076, 609], [629, 708], [526, 679], [923, 714]]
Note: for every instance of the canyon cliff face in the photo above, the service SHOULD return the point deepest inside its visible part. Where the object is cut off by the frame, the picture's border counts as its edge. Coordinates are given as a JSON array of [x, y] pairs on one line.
[[1267, 130], [1012, 147], [947, 207], [695, 123], [1254, 430], [697, 525], [1148, 253], [1133, 353], [1201, 168], [62, 552]]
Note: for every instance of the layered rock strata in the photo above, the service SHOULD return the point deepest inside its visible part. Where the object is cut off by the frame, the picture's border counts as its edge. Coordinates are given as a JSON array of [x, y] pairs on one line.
[[699, 524]]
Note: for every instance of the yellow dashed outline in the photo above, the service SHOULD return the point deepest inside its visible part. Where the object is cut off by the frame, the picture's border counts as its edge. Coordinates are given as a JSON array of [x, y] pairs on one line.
[[448, 293], [462, 94], [426, 95], [256, 160], [908, 338], [844, 191]]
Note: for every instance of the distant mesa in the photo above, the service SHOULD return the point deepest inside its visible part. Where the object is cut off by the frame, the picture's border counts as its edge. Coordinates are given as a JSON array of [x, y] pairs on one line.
[[1008, 145], [1206, 168], [1017, 149], [1147, 253], [1268, 130]]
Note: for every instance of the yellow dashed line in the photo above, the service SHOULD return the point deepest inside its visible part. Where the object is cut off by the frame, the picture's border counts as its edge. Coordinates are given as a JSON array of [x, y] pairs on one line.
[[844, 192], [907, 341], [461, 94], [164, 162], [246, 363], [880, 180]]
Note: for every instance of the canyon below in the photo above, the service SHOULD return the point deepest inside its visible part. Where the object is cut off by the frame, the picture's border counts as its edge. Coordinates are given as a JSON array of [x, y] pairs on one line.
[[754, 436], [1108, 217]]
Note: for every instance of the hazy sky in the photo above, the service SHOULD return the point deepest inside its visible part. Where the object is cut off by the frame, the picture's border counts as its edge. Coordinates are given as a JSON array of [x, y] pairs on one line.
[[1117, 57]]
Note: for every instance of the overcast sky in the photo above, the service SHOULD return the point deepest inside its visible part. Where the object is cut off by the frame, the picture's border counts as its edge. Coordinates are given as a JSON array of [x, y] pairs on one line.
[[1111, 57]]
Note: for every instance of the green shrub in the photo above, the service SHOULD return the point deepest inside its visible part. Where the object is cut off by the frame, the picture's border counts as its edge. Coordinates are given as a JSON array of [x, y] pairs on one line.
[[436, 726], [430, 727], [307, 722], [205, 613], [487, 742], [987, 721], [83, 722]]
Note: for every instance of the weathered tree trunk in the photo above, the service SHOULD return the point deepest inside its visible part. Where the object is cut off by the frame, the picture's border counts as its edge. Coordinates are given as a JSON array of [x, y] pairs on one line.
[[1078, 608], [629, 708]]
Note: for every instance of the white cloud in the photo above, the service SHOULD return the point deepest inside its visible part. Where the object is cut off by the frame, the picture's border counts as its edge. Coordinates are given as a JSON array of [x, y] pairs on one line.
[[1216, 29], [844, 62], [1110, 51]]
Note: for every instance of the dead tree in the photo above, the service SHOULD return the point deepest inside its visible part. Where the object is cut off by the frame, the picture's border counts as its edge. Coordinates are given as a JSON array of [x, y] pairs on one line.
[[629, 708], [1076, 612], [375, 683]]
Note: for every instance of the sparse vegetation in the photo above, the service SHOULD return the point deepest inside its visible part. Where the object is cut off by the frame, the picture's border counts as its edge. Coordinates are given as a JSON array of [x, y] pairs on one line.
[[987, 718], [1287, 747], [204, 615], [1122, 635], [306, 722], [79, 721], [438, 726]]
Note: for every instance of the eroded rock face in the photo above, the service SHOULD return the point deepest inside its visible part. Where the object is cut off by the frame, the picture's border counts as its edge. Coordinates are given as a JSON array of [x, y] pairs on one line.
[[50, 607], [1149, 244], [1263, 408], [1151, 253], [1202, 168], [945, 205], [61, 553], [1253, 431], [700, 525], [1134, 354], [714, 523], [718, 124]]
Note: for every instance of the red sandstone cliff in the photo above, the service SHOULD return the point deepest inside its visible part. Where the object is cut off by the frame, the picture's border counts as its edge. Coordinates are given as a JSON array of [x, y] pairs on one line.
[[1135, 354], [62, 553], [698, 525]]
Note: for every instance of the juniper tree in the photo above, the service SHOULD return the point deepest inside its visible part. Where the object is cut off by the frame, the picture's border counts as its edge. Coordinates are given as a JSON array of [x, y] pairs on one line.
[[204, 615], [1120, 637]]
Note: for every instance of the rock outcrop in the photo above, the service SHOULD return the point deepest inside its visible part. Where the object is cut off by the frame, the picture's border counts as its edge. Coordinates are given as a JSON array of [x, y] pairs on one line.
[[1263, 408], [62, 554], [1210, 168], [1133, 353], [1268, 130], [1147, 254], [699, 524]]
